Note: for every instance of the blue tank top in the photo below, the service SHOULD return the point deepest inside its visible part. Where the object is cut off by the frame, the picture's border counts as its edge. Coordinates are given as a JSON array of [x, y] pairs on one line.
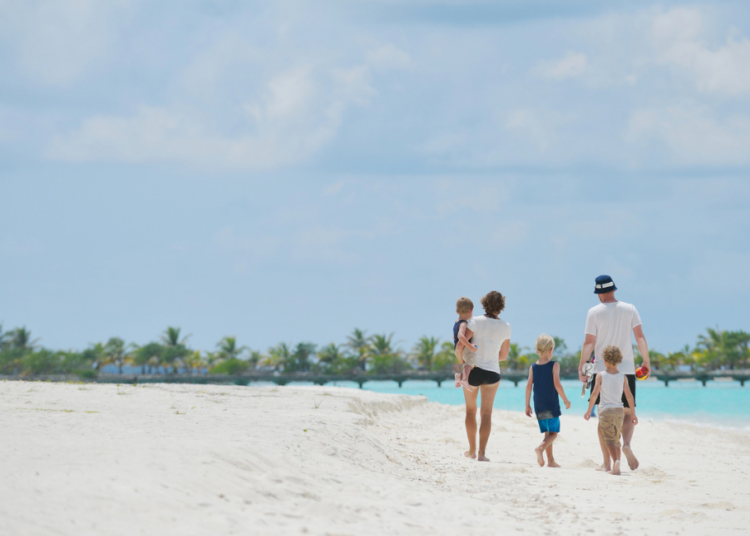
[[546, 401]]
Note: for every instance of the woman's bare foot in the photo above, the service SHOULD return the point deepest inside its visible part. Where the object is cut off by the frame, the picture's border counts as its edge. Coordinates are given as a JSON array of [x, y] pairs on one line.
[[470, 454], [604, 467], [483, 458], [632, 460], [539, 457], [616, 468], [552, 463]]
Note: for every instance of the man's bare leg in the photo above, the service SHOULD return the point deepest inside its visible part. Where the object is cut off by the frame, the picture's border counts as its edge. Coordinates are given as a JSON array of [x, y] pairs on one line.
[[488, 399], [614, 452], [605, 466], [627, 435], [471, 421]]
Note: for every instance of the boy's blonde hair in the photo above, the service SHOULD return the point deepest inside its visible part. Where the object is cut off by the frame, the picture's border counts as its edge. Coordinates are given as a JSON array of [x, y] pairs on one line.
[[544, 342], [464, 305], [612, 355]]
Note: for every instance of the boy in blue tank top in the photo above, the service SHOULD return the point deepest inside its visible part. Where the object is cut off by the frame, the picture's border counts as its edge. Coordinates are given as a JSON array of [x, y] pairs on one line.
[[544, 377]]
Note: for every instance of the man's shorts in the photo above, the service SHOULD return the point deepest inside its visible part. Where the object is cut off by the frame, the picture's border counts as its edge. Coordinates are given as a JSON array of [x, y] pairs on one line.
[[469, 357], [549, 425], [610, 423], [631, 383], [479, 376]]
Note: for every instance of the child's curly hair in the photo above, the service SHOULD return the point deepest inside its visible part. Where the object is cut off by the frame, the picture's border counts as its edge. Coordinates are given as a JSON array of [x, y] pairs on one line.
[[493, 303], [612, 355]]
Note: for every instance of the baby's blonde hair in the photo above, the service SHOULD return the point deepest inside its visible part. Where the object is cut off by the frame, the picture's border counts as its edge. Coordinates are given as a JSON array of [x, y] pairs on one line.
[[464, 305], [612, 355], [544, 342]]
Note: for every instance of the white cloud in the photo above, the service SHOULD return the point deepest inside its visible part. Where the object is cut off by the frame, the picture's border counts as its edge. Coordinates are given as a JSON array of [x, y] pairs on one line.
[[690, 134], [572, 65], [291, 121], [56, 41], [388, 57], [678, 35]]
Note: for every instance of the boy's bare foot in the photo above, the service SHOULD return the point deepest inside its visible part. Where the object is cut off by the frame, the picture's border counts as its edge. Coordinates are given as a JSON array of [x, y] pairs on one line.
[[539, 457], [458, 380], [604, 467], [470, 454], [616, 468], [465, 385], [632, 460], [483, 458], [552, 463]]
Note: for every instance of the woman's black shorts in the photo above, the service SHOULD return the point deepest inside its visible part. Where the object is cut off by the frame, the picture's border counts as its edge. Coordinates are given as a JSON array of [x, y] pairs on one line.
[[479, 376], [631, 383]]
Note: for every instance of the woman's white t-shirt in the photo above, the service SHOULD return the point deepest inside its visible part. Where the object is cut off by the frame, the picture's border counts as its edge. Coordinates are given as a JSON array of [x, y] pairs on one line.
[[489, 336]]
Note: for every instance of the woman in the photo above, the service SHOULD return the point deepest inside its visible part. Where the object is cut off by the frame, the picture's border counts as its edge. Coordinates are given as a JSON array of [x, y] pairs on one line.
[[491, 335]]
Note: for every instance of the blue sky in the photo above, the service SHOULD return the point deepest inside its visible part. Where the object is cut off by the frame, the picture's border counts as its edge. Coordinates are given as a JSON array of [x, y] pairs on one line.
[[287, 171]]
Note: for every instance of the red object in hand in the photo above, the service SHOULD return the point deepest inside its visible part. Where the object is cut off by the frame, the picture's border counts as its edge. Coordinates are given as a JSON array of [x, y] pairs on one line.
[[641, 373]]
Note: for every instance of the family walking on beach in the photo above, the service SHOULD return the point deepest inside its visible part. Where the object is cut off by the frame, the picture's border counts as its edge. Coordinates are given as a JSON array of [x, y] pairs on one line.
[[481, 342]]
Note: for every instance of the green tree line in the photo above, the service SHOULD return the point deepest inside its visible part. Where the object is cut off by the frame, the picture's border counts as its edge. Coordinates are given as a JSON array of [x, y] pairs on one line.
[[21, 355]]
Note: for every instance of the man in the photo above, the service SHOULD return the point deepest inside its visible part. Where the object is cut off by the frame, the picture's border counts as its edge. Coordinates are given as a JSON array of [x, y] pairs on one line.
[[610, 323]]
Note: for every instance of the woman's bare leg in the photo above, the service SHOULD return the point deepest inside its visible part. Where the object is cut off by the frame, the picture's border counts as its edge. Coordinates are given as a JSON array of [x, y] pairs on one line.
[[471, 421], [488, 399]]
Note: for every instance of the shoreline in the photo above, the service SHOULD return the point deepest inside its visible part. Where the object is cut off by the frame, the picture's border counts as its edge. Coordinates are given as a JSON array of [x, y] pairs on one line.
[[196, 459]]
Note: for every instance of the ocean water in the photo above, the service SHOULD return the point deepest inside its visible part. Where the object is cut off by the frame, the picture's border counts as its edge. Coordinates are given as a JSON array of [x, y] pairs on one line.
[[719, 403]]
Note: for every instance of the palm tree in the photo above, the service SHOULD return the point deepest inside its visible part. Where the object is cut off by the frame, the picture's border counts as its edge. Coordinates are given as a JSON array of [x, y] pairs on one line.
[[424, 351], [385, 358], [712, 348], [175, 349], [193, 361], [117, 353], [445, 358], [227, 348], [333, 360], [147, 355], [20, 339], [278, 356], [358, 343]]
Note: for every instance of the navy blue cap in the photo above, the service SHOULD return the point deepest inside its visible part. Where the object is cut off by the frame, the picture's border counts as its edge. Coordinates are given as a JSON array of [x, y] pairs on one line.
[[604, 284]]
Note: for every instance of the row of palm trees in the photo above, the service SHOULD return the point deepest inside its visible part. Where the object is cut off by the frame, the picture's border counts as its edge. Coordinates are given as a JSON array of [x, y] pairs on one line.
[[20, 354]]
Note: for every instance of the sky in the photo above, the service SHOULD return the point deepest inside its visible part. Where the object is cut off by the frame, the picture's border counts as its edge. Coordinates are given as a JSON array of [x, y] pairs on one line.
[[288, 171]]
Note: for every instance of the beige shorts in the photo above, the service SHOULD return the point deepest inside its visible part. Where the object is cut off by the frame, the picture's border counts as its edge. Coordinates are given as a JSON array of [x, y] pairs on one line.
[[610, 423], [469, 357]]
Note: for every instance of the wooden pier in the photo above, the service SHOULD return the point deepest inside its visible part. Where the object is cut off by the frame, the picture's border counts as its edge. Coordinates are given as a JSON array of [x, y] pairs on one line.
[[516, 377]]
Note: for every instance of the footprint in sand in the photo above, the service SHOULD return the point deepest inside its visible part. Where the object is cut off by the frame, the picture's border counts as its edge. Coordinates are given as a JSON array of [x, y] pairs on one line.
[[588, 463], [653, 471]]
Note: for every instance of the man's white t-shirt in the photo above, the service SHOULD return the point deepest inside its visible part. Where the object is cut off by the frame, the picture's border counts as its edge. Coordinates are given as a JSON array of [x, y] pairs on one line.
[[612, 324], [489, 336]]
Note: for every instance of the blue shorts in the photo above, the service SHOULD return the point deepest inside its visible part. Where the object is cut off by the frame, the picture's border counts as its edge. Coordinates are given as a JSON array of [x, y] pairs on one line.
[[550, 425]]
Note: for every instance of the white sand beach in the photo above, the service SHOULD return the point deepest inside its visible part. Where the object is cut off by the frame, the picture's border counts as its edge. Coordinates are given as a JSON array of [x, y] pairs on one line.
[[79, 459]]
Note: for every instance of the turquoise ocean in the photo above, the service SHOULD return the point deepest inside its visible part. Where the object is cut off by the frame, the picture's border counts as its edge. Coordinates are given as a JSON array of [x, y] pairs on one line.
[[720, 403]]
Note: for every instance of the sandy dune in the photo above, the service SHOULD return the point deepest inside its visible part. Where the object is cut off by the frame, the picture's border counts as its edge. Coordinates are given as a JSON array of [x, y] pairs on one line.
[[179, 459]]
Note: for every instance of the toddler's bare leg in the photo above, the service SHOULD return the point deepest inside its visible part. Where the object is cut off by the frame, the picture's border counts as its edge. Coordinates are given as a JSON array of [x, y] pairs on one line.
[[465, 377], [605, 452], [614, 452]]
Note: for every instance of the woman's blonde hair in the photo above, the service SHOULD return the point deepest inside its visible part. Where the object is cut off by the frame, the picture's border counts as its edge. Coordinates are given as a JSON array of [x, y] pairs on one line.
[[544, 342]]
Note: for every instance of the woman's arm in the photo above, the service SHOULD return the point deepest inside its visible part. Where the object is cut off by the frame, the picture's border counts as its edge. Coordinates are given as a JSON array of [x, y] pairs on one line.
[[464, 334], [504, 349]]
